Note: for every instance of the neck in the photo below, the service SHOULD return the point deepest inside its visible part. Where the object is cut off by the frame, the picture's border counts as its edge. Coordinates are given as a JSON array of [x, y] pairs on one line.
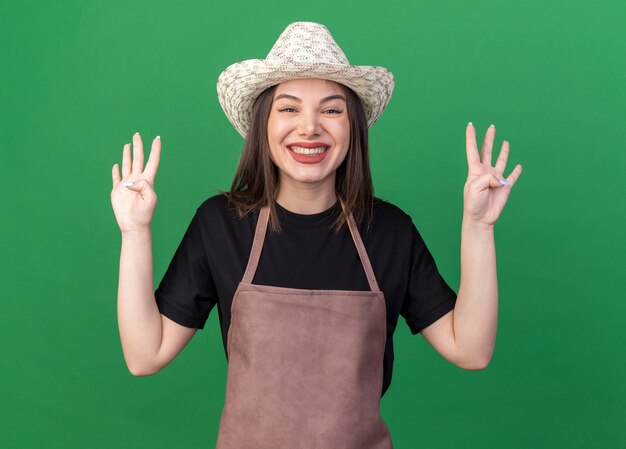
[[306, 198]]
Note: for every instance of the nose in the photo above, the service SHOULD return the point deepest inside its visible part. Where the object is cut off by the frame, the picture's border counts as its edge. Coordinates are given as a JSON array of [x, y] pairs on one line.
[[308, 124]]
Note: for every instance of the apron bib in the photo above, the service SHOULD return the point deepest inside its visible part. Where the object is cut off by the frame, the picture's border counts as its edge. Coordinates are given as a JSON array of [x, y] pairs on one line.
[[305, 367]]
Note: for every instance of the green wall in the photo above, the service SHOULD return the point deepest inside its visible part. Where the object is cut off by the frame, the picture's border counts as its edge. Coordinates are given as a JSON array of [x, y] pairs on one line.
[[77, 79]]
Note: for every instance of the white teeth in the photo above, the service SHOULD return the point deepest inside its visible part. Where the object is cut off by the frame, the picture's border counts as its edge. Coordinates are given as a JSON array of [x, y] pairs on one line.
[[308, 151]]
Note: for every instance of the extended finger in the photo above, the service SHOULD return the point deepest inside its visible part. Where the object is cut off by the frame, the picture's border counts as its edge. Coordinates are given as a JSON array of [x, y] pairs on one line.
[[115, 174], [502, 157], [485, 152], [153, 160], [126, 165], [470, 145], [512, 178], [137, 155]]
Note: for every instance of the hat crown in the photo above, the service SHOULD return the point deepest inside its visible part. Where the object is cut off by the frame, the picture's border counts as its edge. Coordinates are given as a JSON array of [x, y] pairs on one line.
[[303, 50], [307, 42]]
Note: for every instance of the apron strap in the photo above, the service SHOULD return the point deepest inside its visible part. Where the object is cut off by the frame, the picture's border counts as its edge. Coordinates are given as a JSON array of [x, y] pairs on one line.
[[360, 247], [259, 238], [257, 245]]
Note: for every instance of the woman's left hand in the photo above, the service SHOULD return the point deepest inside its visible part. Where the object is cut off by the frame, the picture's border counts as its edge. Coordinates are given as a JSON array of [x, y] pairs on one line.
[[486, 190]]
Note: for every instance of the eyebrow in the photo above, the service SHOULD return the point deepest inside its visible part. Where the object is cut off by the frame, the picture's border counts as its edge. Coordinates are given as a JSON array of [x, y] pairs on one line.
[[323, 100]]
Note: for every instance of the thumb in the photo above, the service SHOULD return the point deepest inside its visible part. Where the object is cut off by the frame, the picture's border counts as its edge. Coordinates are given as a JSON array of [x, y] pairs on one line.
[[490, 181], [139, 185]]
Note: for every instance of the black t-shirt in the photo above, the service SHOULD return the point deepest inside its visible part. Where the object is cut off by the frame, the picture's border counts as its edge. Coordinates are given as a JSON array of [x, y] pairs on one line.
[[307, 254]]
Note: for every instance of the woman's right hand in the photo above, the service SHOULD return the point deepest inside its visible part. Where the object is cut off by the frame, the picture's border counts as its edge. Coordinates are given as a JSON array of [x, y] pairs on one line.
[[134, 204]]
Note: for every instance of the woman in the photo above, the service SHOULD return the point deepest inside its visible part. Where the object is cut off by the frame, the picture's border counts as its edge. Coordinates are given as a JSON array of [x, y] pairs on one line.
[[307, 307]]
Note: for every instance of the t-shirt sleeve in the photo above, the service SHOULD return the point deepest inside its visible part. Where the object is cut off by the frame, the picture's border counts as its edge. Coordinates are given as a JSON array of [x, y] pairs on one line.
[[428, 295], [186, 293]]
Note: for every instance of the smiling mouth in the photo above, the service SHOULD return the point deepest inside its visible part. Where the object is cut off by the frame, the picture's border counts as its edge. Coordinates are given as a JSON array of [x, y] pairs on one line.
[[308, 151]]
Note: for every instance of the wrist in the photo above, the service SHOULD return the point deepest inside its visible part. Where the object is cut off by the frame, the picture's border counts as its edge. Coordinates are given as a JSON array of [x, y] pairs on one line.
[[477, 225], [137, 235]]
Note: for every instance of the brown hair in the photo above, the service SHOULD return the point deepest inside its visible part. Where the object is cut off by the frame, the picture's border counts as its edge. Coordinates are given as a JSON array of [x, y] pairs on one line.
[[256, 180]]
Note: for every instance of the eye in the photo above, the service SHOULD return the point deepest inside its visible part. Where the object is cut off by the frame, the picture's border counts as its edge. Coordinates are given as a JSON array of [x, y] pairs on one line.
[[287, 109], [332, 111]]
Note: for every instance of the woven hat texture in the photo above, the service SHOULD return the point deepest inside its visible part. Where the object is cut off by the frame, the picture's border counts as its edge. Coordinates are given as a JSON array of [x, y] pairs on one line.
[[303, 50]]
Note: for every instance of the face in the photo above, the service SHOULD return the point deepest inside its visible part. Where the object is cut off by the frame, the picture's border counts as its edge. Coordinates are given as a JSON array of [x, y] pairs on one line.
[[308, 131]]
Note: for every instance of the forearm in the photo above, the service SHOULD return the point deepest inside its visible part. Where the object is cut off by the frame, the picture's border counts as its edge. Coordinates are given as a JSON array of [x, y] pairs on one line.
[[139, 319], [476, 310]]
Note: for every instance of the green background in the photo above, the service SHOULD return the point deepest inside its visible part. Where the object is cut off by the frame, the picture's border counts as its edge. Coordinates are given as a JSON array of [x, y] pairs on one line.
[[77, 79]]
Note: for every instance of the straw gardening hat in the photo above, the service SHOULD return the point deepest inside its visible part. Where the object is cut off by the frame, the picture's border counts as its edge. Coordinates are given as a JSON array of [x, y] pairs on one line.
[[303, 50]]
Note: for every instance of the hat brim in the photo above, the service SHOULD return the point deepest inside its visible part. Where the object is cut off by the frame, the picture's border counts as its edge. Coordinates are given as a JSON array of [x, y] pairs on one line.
[[241, 83]]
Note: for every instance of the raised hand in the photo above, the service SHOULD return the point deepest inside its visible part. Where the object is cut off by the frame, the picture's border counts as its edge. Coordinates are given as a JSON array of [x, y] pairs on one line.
[[486, 190], [133, 197]]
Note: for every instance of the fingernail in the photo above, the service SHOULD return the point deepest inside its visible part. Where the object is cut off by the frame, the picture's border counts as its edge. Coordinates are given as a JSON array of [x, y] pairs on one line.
[[491, 126], [136, 134], [158, 137], [128, 183], [504, 182], [469, 124]]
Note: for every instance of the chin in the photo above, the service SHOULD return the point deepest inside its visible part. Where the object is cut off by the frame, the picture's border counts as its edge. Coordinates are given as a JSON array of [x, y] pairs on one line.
[[308, 177], [306, 174]]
